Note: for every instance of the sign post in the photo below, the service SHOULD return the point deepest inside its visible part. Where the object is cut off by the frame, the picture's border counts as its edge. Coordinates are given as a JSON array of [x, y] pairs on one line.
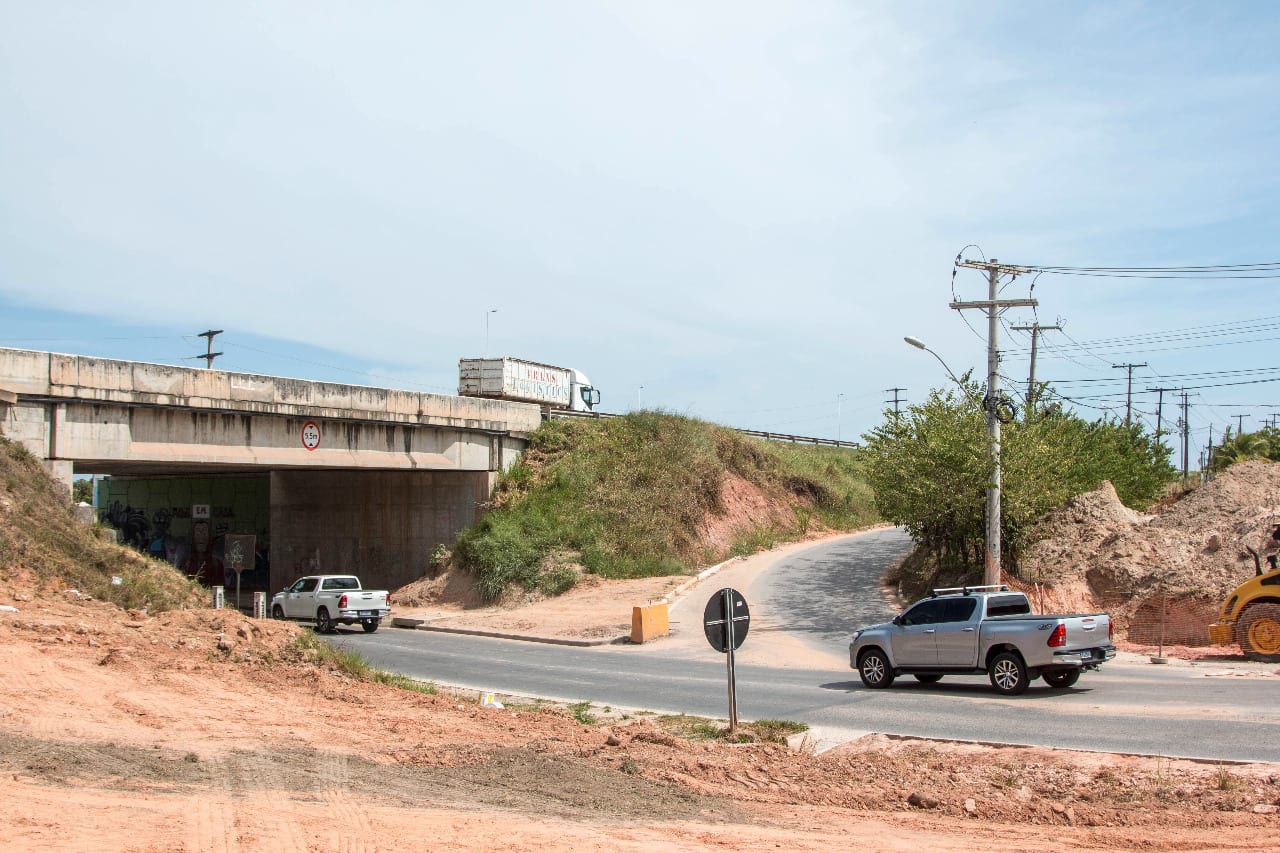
[[238, 555], [726, 621]]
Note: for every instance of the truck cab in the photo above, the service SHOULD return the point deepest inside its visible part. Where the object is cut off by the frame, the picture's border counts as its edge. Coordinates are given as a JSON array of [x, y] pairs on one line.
[[583, 395]]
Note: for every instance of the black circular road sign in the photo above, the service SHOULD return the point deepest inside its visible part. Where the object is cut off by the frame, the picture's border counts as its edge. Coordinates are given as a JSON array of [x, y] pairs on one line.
[[720, 625]]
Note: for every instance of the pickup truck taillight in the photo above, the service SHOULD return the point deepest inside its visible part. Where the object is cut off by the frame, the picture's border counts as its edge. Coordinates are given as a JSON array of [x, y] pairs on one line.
[[342, 602], [1059, 636], [1110, 626]]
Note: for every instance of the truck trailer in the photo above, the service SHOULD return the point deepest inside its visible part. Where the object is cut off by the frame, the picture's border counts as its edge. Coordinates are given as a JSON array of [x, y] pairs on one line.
[[528, 382]]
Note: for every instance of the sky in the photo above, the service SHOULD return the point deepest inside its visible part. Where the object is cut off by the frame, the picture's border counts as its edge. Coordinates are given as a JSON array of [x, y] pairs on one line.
[[730, 210]]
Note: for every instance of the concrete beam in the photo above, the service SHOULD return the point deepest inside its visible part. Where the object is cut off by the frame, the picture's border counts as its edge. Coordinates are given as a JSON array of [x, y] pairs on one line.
[[51, 376]]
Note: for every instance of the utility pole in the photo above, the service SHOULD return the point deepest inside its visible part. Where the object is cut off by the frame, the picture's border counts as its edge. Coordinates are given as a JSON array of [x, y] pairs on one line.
[[895, 401], [1160, 409], [1035, 329], [1240, 424], [1186, 431], [1128, 401], [993, 305], [209, 355]]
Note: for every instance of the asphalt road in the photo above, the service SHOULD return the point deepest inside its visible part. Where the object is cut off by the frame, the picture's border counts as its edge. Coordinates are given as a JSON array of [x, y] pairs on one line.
[[821, 594]]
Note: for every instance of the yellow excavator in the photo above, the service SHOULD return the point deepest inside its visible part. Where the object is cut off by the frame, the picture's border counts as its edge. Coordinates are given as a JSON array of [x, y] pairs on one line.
[[1251, 614]]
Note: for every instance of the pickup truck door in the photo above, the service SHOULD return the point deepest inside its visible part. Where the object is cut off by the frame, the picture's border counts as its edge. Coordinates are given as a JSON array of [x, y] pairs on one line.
[[299, 603], [957, 634], [913, 638]]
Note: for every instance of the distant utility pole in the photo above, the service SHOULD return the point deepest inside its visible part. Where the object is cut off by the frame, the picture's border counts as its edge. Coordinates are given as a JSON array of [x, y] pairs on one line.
[[896, 399], [1128, 402], [1035, 329], [1160, 407], [209, 355], [993, 305], [1240, 424], [1186, 431], [1274, 415]]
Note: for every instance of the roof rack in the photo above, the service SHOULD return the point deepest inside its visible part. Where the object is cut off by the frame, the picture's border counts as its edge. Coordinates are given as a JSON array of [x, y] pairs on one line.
[[965, 590]]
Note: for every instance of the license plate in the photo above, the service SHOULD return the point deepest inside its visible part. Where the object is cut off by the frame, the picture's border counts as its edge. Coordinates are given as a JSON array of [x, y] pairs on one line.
[[368, 613]]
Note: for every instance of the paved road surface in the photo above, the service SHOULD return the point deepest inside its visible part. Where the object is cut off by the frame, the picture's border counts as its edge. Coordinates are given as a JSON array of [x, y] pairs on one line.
[[1132, 706]]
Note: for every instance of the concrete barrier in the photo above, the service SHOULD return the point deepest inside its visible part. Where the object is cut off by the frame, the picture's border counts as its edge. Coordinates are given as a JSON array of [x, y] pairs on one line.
[[649, 622]]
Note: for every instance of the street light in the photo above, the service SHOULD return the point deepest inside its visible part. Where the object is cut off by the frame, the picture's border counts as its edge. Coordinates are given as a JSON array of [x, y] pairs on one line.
[[991, 571], [638, 390], [919, 344], [486, 330]]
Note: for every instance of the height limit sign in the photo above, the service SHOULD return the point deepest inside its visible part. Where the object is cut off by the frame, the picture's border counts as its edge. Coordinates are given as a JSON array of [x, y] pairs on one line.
[[726, 620]]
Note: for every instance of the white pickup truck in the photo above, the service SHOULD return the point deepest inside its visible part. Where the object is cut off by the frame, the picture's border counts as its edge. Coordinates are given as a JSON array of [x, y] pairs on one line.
[[981, 629], [328, 600]]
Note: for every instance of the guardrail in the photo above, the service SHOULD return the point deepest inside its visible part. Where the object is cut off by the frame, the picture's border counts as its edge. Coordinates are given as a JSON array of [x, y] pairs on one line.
[[548, 414]]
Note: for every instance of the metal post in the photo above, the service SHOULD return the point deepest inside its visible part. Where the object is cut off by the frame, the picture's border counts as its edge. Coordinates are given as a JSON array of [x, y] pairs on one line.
[[729, 638]]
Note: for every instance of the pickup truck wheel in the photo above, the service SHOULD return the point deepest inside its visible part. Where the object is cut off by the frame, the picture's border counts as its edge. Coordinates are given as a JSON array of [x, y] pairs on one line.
[[324, 625], [1259, 632], [874, 669], [1009, 674], [369, 625], [277, 612], [927, 677], [1062, 678]]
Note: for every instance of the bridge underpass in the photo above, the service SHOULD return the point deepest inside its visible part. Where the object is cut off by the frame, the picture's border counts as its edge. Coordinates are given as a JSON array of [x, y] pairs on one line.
[[330, 477]]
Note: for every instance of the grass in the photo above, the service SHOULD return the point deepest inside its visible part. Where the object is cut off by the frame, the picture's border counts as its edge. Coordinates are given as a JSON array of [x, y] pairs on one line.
[[703, 729], [581, 711], [626, 498], [311, 648], [40, 535]]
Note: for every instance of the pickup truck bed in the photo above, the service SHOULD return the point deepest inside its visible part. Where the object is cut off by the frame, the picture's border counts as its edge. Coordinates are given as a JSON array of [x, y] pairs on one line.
[[977, 630]]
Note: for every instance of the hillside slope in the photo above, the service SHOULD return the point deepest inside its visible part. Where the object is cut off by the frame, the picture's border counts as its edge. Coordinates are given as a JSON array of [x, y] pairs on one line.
[[44, 548], [652, 494]]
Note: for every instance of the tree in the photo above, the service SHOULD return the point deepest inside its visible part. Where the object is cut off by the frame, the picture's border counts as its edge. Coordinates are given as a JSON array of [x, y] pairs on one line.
[[82, 491], [930, 469], [1249, 445]]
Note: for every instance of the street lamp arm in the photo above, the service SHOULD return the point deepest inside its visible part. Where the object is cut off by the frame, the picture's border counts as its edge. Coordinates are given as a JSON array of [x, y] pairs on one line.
[[919, 344]]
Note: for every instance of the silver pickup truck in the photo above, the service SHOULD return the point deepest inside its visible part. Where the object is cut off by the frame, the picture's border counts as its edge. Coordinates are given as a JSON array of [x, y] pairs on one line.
[[981, 629]]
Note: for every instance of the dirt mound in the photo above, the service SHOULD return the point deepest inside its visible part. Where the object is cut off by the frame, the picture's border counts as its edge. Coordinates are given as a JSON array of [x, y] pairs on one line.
[[1168, 571]]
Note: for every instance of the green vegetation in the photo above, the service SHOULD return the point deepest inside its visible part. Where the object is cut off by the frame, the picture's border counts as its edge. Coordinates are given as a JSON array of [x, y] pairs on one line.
[[626, 497], [703, 729], [581, 711], [41, 538], [1263, 444], [930, 469], [311, 648]]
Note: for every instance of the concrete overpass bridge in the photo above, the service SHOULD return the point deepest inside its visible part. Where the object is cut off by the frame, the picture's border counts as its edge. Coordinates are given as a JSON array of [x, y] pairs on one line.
[[333, 477]]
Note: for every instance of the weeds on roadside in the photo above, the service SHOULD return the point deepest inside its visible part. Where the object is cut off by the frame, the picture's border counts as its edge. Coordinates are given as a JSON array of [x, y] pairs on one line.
[[581, 711], [703, 729]]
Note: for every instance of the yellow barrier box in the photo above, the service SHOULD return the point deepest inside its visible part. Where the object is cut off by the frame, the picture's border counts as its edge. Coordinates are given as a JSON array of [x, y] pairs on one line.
[[649, 622]]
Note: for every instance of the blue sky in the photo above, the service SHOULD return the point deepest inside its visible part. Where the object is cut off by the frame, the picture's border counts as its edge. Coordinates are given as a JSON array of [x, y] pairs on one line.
[[732, 210]]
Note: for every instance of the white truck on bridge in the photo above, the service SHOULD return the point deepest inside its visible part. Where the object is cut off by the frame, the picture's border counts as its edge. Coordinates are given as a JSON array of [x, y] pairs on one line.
[[528, 382], [328, 600]]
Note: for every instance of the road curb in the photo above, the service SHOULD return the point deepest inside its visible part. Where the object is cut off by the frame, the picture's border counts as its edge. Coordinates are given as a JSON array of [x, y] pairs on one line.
[[402, 622]]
